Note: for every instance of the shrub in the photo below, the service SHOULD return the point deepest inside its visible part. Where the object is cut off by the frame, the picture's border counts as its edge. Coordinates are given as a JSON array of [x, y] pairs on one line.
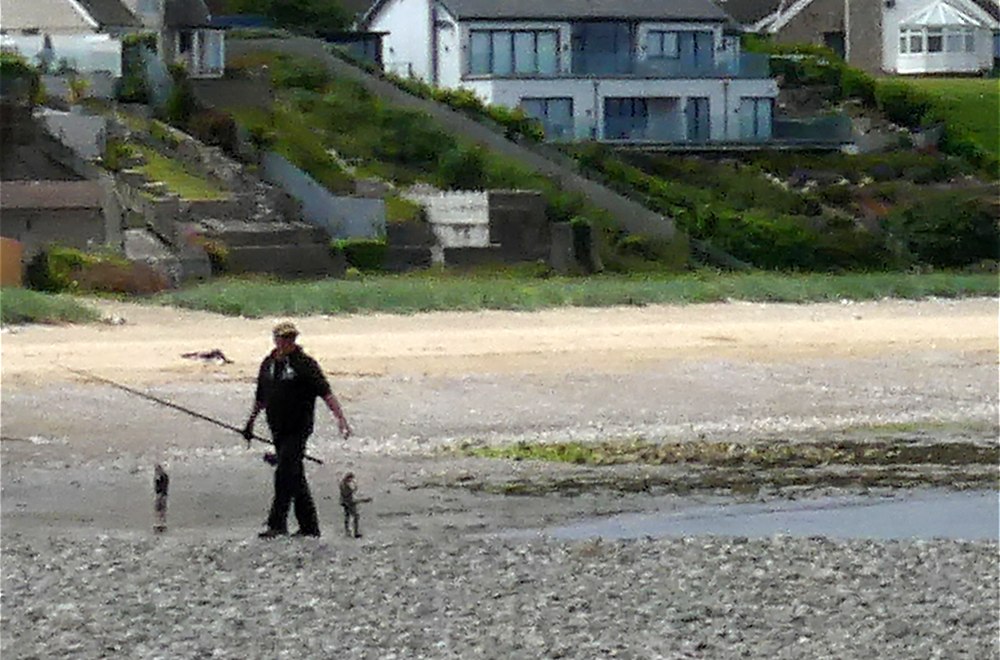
[[946, 230], [18, 75], [214, 127], [181, 103], [463, 168], [54, 268], [365, 254], [58, 269], [310, 74], [133, 278], [116, 152], [902, 103]]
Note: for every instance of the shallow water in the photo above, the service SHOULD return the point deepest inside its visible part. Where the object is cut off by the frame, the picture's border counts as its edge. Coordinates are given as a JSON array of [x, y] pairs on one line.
[[924, 514]]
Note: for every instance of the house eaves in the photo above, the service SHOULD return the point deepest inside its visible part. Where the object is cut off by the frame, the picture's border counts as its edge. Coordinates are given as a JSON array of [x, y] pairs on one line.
[[575, 10], [991, 8]]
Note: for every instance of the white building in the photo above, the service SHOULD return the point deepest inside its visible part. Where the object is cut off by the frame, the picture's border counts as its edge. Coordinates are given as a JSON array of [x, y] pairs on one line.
[[612, 70], [938, 36]]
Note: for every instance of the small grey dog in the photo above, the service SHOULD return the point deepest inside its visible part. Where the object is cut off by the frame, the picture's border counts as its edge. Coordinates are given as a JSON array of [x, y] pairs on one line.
[[349, 501]]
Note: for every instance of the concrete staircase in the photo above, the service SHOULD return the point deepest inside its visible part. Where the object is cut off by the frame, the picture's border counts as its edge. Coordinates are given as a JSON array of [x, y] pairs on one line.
[[283, 248]]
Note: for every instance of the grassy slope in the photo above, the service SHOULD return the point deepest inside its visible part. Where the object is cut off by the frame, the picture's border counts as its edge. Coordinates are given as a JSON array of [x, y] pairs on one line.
[[971, 104]]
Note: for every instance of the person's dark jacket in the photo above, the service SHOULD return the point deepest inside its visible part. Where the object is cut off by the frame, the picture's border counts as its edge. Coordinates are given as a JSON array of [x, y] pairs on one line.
[[288, 388]]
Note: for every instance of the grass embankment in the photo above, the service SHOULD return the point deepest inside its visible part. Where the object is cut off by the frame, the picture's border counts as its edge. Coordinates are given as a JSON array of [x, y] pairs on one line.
[[969, 105], [176, 178], [438, 292], [23, 306]]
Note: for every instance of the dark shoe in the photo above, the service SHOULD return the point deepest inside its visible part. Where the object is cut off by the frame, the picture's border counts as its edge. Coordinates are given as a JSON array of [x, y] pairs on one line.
[[357, 535], [313, 533], [271, 534]]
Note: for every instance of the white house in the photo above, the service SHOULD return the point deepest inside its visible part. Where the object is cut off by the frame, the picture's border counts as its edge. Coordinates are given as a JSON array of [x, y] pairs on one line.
[[185, 34], [611, 70], [887, 36], [938, 36], [83, 33]]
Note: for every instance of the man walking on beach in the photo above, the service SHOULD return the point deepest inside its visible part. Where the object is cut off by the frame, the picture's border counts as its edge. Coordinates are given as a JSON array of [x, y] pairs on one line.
[[288, 383]]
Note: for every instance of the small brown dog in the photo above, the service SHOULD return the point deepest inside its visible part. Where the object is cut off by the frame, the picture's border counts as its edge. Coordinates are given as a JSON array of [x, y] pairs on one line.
[[349, 501]]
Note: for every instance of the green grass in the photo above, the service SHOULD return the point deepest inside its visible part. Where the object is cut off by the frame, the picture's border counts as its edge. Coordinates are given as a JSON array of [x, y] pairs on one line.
[[24, 306], [972, 105], [434, 291], [729, 454], [177, 179]]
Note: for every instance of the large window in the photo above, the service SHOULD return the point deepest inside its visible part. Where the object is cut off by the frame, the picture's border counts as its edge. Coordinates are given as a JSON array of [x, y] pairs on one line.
[[555, 115], [660, 44], [755, 118], [937, 40], [507, 52]]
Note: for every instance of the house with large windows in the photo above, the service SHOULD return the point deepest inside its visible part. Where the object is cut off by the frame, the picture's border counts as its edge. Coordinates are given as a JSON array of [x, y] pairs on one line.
[[610, 70]]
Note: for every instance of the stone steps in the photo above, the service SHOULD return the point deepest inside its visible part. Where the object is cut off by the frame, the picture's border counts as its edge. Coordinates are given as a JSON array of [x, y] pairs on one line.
[[315, 260]]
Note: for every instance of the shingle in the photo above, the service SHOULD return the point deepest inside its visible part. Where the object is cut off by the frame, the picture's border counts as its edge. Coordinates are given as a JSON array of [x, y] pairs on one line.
[[585, 9], [110, 13], [746, 12], [186, 13]]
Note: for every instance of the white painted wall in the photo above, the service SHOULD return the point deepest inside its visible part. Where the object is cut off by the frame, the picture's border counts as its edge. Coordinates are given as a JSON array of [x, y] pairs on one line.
[[895, 62], [458, 219], [406, 49], [588, 97], [449, 50]]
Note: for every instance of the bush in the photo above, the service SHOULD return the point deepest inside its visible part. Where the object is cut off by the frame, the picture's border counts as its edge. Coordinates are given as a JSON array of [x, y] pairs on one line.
[[133, 278], [216, 128], [54, 269], [116, 152], [57, 269], [902, 103], [463, 168], [946, 230], [365, 254], [17, 75], [181, 104]]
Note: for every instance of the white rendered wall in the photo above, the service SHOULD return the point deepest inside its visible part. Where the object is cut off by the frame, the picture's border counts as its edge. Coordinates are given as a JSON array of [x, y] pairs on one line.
[[449, 50], [895, 62], [458, 219], [588, 97], [406, 49]]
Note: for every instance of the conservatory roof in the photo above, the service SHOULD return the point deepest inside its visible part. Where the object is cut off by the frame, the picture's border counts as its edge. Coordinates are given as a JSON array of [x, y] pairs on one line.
[[940, 14]]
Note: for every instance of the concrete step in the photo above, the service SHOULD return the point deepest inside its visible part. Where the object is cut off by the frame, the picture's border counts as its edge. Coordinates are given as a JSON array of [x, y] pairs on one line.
[[316, 260], [250, 234]]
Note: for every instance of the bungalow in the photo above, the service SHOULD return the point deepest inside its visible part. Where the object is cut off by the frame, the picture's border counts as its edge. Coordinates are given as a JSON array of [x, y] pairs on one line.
[[611, 70], [889, 36], [85, 34]]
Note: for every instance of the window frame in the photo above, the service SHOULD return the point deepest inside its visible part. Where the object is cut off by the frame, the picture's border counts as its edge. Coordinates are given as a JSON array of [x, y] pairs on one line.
[[513, 67], [661, 35]]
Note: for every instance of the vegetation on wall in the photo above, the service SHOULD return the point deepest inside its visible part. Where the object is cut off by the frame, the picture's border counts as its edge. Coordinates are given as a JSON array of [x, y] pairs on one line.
[[968, 111], [303, 16]]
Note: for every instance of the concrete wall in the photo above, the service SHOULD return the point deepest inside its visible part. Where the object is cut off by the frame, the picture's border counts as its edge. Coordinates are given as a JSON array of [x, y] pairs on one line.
[[81, 228], [458, 219], [100, 85], [341, 217], [86, 135]]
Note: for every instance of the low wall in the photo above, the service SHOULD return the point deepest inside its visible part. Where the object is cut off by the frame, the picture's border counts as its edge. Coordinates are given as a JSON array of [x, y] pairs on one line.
[[80, 228], [100, 85], [86, 135], [341, 217], [458, 219]]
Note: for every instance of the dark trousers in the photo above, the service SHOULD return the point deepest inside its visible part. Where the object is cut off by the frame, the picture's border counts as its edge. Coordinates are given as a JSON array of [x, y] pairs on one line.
[[290, 485]]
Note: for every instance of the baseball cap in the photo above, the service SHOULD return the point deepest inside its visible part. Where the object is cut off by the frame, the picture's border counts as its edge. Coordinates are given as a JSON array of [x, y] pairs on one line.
[[286, 329]]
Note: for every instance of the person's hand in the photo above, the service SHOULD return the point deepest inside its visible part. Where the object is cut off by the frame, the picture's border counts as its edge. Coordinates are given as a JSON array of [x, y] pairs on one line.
[[345, 428], [248, 432]]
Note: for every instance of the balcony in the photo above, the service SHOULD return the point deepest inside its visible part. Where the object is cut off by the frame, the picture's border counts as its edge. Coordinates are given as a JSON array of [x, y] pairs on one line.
[[747, 66]]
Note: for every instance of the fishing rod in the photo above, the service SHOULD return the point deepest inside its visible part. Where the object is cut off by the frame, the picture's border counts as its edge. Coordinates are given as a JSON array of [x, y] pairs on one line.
[[168, 404]]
